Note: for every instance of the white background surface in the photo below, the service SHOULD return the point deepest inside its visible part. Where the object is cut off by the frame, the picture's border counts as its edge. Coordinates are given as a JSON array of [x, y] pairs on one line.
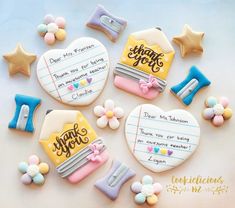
[[215, 155]]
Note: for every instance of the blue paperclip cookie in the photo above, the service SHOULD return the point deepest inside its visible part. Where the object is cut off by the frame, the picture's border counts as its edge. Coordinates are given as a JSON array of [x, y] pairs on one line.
[[23, 118], [187, 89]]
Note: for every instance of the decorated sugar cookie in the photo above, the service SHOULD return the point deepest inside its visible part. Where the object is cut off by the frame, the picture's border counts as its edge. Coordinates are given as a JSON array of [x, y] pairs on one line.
[[146, 190], [161, 140], [217, 110], [111, 183], [77, 75], [24, 113], [19, 61], [33, 171], [109, 115], [52, 29], [144, 64], [109, 24], [189, 41], [72, 144], [189, 87]]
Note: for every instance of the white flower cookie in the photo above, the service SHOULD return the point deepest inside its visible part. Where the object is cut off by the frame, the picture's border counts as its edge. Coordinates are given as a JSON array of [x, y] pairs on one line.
[[108, 115]]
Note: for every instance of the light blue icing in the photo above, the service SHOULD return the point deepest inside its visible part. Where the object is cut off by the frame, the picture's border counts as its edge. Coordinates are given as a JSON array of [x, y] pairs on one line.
[[188, 88], [23, 118]]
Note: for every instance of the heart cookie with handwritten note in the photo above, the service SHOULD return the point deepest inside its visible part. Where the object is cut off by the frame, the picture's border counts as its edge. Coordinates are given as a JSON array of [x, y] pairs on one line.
[[161, 140], [76, 75]]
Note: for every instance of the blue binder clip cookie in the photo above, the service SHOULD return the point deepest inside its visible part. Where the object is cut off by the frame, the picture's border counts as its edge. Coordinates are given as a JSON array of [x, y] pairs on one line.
[[23, 118], [187, 89]]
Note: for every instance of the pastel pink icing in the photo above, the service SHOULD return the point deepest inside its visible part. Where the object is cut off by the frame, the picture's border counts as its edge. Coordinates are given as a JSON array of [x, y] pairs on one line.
[[87, 169], [132, 86]]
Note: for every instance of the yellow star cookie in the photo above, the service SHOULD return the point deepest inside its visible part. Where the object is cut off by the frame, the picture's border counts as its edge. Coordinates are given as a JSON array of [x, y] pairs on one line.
[[19, 61], [189, 41]]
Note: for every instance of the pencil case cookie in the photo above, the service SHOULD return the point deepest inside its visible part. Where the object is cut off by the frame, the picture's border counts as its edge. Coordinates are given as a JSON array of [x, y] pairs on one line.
[[72, 144], [144, 64]]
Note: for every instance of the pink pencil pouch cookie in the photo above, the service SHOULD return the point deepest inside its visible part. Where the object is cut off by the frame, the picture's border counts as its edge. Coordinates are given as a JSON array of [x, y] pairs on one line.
[[72, 144], [144, 64]]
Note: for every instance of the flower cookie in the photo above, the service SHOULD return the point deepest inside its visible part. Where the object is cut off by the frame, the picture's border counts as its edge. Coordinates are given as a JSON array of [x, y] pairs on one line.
[[217, 110], [76, 75], [108, 115], [104, 21], [144, 64], [72, 144], [146, 190], [52, 29], [33, 171]]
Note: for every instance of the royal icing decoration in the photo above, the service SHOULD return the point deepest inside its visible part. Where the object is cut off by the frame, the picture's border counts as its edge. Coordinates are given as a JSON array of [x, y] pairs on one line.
[[188, 88], [159, 150], [24, 113], [52, 29], [19, 61], [108, 115], [77, 75], [144, 64], [111, 184], [190, 41], [217, 110], [33, 171], [146, 190], [161, 140], [104, 21], [72, 144]]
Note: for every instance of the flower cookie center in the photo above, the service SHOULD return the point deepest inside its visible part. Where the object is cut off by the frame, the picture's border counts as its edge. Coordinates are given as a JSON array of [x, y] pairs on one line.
[[147, 190], [109, 114], [218, 109], [33, 170]]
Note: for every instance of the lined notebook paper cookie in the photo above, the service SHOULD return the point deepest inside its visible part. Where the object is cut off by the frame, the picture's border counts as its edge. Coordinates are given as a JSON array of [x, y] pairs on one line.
[[77, 75], [161, 140]]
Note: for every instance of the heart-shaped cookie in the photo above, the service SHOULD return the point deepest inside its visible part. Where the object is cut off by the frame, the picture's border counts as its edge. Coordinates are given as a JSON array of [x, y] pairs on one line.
[[76, 75], [161, 140]]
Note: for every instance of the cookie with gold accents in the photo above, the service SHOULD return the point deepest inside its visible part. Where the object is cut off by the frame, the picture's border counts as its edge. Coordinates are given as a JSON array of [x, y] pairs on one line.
[[72, 144], [144, 64]]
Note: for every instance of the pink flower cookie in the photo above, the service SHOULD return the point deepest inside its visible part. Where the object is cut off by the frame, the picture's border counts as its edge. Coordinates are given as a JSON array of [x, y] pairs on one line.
[[146, 190], [108, 115], [217, 110]]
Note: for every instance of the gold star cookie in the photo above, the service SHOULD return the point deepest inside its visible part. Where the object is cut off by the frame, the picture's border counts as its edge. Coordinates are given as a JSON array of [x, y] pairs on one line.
[[19, 61], [189, 41]]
